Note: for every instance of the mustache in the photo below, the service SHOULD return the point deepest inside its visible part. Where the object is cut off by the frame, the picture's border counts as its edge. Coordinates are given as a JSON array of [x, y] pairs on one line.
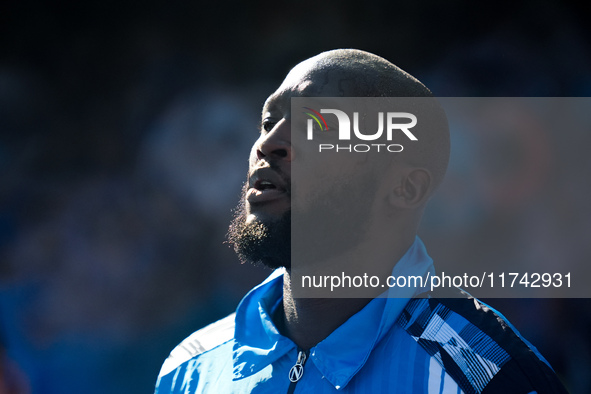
[[285, 178]]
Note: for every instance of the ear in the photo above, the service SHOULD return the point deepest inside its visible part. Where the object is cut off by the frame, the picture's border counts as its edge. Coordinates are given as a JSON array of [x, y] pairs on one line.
[[412, 189]]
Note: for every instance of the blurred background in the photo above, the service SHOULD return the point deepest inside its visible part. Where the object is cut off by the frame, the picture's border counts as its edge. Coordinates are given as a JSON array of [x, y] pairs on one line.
[[124, 135]]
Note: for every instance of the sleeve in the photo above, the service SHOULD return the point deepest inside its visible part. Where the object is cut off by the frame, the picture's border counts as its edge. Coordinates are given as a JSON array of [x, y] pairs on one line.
[[477, 346]]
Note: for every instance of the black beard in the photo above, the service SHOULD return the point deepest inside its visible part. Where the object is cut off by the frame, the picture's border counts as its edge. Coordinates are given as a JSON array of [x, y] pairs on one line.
[[333, 225], [264, 244]]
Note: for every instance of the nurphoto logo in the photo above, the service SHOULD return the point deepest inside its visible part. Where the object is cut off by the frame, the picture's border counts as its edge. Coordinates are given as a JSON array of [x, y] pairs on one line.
[[392, 120]]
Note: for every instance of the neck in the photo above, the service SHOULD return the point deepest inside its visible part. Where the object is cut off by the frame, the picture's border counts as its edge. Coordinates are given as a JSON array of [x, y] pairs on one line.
[[307, 321]]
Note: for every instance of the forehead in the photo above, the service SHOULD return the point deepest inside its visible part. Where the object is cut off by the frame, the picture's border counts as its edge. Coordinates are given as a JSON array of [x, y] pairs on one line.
[[304, 81], [280, 99]]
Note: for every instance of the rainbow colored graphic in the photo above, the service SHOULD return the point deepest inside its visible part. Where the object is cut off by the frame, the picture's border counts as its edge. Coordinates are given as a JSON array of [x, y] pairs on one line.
[[315, 117]]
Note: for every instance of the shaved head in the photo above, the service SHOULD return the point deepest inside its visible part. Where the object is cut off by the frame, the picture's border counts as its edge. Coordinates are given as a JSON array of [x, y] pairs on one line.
[[356, 73], [361, 74]]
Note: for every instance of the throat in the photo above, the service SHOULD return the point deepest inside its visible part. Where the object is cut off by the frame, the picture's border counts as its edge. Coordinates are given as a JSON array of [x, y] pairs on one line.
[[308, 321]]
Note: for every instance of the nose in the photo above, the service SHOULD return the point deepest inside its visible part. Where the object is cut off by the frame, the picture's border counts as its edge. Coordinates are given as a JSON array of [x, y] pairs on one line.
[[276, 144]]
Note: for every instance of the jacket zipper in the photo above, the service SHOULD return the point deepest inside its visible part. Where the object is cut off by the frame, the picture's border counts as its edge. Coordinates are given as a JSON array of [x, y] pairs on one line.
[[297, 371]]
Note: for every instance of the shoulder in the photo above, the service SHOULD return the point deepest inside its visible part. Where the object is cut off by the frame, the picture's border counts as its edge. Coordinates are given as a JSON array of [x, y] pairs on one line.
[[199, 342], [476, 345]]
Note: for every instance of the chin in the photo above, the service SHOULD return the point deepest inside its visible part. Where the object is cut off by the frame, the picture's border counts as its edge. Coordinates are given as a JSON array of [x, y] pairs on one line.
[[262, 240]]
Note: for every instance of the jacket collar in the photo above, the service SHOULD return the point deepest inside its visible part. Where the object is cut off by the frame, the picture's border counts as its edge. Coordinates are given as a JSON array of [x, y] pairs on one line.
[[344, 352], [257, 340]]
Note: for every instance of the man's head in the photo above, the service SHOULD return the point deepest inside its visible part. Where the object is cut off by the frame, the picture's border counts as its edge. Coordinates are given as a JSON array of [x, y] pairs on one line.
[[260, 231]]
